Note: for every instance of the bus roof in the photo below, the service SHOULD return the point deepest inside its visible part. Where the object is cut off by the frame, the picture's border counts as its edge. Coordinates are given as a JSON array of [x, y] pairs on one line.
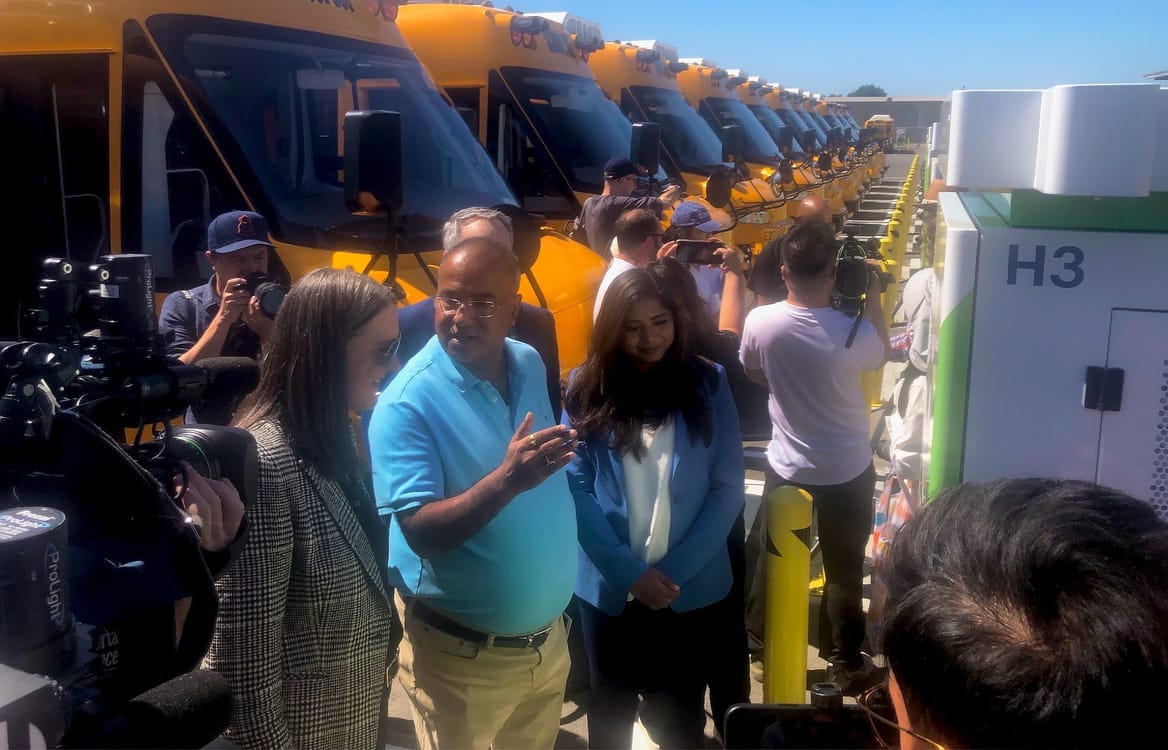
[[621, 64], [43, 26], [461, 44]]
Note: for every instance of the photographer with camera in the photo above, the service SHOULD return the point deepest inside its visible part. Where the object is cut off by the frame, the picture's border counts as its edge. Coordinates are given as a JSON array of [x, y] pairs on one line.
[[224, 317], [692, 224], [232, 314], [811, 354]]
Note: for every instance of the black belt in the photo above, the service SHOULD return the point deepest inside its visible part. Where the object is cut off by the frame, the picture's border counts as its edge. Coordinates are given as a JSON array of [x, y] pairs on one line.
[[439, 621]]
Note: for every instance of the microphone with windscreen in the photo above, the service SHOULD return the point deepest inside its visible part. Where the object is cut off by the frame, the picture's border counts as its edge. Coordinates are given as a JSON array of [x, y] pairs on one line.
[[189, 711], [229, 376], [227, 381]]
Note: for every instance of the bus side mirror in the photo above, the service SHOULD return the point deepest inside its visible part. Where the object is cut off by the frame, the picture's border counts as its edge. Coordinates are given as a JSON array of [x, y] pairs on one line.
[[731, 143], [645, 146], [786, 138], [373, 162]]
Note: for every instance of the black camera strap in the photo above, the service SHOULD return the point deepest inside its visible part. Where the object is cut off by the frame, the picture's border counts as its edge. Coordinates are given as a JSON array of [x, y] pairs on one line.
[[854, 329]]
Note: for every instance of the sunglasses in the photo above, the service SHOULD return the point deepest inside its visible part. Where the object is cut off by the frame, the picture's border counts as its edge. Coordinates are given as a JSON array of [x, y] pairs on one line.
[[386, 353]]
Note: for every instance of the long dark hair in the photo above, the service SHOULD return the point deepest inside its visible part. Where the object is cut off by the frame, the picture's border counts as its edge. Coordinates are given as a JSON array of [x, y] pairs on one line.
[[675, 281], [610, 395], [303, 375]]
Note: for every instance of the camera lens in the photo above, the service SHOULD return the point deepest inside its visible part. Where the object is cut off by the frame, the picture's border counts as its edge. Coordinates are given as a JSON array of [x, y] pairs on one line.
[[271, 296]]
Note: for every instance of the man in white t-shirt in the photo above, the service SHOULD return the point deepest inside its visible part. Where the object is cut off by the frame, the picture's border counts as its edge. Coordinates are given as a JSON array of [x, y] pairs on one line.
[[819, 439], [638, 241]]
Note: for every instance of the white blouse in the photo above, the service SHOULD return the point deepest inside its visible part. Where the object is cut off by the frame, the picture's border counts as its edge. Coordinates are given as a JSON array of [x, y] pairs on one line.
[[647, 482]]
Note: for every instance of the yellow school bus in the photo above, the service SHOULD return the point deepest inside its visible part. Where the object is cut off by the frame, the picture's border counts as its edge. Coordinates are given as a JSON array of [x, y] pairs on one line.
[[131, 124], [641, 77], [806, 171], [847, 166], [883, 127], [523, 83], [713, 92]]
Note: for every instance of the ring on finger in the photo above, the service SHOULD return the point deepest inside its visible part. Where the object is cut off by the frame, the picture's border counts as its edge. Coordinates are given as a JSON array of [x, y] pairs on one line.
[[549, 461], [532, 441]]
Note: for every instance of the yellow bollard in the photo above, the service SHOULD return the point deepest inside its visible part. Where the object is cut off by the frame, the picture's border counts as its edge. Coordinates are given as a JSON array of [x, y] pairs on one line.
[[788, 566]]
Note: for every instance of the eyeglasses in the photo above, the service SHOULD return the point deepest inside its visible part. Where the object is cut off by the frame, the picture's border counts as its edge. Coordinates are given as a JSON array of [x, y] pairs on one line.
[[386, 354], [877, 701], [479, 308]]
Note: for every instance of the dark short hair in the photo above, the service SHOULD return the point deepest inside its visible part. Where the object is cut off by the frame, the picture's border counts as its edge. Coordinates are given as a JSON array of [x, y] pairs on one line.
[[634, 226], [1031, 613], [808, 249]]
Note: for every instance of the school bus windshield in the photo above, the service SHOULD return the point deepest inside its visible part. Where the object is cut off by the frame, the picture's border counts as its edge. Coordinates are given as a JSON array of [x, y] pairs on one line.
[[758, 146], [582, 127], [794, 118], [689, 139], [280, 96], [772, 124]]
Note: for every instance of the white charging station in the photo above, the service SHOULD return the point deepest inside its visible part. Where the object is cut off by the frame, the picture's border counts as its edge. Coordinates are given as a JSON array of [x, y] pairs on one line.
[[1050, 339]]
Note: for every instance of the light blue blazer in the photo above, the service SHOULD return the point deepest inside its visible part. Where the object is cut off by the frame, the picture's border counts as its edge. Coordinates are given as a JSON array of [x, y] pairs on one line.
[[707, 491]]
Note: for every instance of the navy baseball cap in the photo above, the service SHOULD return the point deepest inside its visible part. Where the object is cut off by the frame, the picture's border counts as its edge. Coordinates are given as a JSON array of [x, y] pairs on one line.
[[691, 214], [236, 230], [619, 167]]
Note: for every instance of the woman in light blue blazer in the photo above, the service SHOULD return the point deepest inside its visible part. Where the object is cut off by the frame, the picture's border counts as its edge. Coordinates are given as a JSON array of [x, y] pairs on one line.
[[658, 482]]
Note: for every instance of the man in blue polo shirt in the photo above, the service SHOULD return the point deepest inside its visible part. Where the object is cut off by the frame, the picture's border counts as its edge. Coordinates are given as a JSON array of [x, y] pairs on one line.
[[467, 458]]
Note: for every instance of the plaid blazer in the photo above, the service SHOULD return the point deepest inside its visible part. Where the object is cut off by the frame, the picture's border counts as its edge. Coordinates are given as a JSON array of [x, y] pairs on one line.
[[304, 629]]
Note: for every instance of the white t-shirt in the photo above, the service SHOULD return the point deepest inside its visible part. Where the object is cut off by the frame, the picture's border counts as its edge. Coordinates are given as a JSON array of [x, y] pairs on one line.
[[616, 267], [819, 420]]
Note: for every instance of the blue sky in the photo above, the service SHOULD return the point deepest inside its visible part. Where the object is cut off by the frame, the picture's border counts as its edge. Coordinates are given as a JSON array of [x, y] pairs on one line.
[[910, 48]]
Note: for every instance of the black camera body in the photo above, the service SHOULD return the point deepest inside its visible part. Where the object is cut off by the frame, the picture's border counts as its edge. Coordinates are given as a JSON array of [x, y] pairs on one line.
[[269, 292], [89, 592], [852, 273]]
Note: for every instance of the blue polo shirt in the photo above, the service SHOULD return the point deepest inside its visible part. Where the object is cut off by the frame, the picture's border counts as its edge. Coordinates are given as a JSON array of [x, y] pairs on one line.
[[436, 431]]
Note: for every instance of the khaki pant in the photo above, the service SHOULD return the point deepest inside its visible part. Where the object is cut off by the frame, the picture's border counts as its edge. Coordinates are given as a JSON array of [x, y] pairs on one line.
[[470, 697]]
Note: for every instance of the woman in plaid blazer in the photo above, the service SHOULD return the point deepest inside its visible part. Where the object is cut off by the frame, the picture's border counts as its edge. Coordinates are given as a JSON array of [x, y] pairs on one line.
[[306, 630]]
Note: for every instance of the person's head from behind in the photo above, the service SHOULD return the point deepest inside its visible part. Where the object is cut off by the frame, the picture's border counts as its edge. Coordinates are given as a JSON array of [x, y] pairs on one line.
[[814, 208], [1030, 613], [621, 176], [638, 235], [808, 255], [334, 341], [476, 302], [476, 221]]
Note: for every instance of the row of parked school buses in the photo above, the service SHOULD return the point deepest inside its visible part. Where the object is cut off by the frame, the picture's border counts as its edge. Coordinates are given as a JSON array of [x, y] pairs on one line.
[[128, 125]]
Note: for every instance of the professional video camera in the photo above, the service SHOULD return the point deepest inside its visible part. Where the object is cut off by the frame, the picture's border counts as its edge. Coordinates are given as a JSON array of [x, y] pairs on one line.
[[852, 272], [95, 549]]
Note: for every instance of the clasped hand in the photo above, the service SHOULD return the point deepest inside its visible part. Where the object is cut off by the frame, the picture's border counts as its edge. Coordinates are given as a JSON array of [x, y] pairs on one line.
[[655, 590]]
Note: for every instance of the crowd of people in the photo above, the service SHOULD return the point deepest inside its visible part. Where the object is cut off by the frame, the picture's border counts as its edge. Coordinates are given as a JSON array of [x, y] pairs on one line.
[[447, 545]]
